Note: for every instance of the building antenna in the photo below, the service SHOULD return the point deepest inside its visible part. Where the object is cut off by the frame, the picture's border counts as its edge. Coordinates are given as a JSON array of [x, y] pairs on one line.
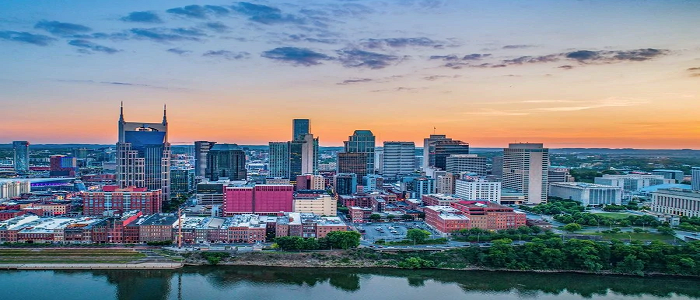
[[434, 128]]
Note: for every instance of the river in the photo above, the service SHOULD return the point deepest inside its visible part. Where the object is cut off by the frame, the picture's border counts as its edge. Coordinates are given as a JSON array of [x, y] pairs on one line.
[[260, 283]]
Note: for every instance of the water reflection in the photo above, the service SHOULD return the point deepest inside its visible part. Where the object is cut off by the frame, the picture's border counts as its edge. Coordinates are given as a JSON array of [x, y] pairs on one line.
[[159, 284]]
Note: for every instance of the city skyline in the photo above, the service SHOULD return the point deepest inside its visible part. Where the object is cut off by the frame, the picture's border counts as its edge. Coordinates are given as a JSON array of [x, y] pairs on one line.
[[615, 74]]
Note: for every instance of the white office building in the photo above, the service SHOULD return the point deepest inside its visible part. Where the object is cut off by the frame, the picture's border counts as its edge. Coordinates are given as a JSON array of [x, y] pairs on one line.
[[676, 202], [633, 182], [478, 190], [586, 193]]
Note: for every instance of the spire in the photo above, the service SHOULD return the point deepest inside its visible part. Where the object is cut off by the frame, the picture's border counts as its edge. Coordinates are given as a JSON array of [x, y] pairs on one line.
[[165, 118], [121, 112]]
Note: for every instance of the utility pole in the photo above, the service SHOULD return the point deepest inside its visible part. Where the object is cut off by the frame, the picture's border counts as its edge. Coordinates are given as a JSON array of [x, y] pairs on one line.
[[179, 228]]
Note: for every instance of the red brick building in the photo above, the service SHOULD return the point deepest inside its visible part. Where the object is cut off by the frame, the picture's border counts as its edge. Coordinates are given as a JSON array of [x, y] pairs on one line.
[[490, 216], [9, 214], [445, 218], [359, 214], [122, 200]]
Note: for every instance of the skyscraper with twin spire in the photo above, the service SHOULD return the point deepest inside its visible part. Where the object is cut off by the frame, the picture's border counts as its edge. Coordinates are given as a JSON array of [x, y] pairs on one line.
[[143, 154]]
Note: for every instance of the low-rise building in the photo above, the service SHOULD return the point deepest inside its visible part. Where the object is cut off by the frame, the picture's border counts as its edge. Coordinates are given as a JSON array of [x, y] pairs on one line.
[[587, 193], [478, 189], [157, 227], [439, 200], [445, 219], [633, 182], [119, 200], [490, 216], [676, 202], [359, 214], [322, 205]]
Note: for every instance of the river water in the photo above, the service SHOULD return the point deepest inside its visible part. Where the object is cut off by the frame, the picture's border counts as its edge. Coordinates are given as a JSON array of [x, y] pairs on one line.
[[333, 284]]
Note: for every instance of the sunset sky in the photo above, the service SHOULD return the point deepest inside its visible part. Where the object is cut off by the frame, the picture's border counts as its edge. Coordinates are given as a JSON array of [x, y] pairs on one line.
[[564, 73]]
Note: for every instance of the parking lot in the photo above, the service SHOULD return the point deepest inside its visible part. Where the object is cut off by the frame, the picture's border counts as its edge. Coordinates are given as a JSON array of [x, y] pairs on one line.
[[390, 231]]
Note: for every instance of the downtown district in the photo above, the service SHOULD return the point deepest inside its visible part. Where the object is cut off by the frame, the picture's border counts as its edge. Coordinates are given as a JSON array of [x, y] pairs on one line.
[[145, 190]]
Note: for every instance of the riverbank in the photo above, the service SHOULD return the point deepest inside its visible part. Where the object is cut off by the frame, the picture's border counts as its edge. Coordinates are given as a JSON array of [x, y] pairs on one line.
[[369, 259], [77, 266]]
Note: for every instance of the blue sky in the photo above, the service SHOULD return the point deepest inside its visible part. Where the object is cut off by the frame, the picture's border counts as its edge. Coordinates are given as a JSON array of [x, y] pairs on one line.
[[487, 72]]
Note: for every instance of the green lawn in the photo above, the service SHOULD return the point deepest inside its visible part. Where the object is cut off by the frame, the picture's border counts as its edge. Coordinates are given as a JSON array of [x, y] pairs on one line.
[[614, 215], [13, 255], [625, 236]]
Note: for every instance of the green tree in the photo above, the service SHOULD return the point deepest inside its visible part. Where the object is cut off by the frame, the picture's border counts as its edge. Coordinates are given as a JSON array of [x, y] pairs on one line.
[[666, 230], [407, 217], [375, 217], [631, 265], [344, 239], [416, 263], [572, 227], [418, 236]]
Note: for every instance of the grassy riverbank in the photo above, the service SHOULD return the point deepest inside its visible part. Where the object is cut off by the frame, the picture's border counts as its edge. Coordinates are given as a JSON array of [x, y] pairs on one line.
[[550, 255], [67, 256]]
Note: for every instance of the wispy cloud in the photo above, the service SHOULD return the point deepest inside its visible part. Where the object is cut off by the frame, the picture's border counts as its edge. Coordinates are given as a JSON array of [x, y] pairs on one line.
[[62, 29], [142, 17], [230, 55], [178, 51], [494, 112], [265, 14], [355, 58], [518, 46], [90, 47], [586, 105], [400, 43], [353, 81], [190, 11], [297, 56], [26, 37], [163, 34]]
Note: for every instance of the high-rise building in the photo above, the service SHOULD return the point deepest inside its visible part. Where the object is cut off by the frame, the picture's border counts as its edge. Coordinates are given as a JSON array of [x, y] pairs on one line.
[[345, 183], [695, 178], [438, 147], [443, 149], [422, 186], [398, 159], [226, 161], [429, 147], [21, 156], [296, 157], [309, 154], [355, 163], [201, 149], [182, 181], [497, 166], [379, 160], [470, 163], [279, 160], [525, 167], [361, 141], [300, 127], [143, 155]]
